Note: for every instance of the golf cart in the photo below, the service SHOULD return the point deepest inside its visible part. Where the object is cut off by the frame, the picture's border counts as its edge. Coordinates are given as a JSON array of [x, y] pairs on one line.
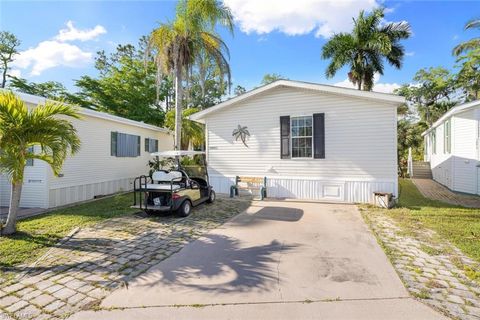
[[176, 189]]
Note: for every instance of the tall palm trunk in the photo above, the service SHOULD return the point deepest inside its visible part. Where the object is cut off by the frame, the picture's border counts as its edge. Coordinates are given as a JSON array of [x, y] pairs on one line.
[[178, 107], [4, 76], [10, 226]]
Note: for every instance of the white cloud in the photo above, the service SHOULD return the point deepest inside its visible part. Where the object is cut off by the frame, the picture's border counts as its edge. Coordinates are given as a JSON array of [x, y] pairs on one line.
[[389, 10], [57, 52], [297, 17], [410, 54], [378, 86], [71, 33], [262, 39], [49, 54], [386, 87]]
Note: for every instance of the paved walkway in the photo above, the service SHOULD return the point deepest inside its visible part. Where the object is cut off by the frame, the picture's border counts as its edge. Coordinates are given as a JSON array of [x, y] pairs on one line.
[[436, 275], [81, 271], [278, 260], [434, 190]]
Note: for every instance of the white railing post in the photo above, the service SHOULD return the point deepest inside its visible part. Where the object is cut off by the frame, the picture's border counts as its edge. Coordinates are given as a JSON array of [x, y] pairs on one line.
[[410, 163]]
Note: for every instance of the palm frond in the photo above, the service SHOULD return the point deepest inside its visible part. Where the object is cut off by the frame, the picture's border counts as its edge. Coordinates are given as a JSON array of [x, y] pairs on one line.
[[217, 49], [397, 30], [463, 47], [474, 23], [46, 126]]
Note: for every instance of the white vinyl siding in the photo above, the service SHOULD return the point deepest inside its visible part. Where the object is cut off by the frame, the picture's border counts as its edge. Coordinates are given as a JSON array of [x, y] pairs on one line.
[[360, 142], [464, 152], [456, 167], [93, 171]]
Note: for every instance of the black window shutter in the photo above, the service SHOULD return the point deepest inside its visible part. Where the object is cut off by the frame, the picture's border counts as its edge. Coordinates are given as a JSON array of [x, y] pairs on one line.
[[113, 144], [285, 137], [137, 154], [319, 135], [156, 145], [147, 145]]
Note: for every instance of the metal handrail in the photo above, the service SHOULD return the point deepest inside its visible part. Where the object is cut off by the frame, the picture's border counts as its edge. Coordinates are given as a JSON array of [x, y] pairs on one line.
[[410, 163]]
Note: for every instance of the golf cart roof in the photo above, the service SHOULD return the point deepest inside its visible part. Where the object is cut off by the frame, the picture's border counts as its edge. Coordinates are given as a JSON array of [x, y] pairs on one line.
[[176, 153]]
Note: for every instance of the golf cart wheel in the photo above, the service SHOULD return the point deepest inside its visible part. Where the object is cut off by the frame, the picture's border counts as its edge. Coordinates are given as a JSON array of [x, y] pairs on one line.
[[212, 197], [185, 209]]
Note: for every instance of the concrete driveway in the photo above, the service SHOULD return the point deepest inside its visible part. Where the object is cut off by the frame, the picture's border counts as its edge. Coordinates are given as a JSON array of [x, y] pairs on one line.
[[278, 260]]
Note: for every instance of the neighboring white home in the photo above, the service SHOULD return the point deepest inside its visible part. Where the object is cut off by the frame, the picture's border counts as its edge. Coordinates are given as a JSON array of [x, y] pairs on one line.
[[452, 146], [311, 141], [114, 151]]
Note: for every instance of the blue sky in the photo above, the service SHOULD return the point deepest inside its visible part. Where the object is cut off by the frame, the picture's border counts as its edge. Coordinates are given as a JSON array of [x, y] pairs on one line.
[[281, 36]]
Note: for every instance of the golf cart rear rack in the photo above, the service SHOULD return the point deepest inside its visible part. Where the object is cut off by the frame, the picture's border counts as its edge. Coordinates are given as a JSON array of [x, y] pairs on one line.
[[143, 184]]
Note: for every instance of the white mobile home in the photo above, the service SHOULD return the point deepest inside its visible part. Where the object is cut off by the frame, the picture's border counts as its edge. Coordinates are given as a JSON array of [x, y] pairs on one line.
[[453, 150], [114, 151], [311, 141]]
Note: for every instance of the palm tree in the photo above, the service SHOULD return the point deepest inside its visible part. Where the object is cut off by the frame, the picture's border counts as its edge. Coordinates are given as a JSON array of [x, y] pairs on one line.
[[178, 44], [21, 130], [366, 48], [470, 44]]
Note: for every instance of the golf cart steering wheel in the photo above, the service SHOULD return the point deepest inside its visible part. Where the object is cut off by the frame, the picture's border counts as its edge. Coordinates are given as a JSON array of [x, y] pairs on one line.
[[194, 184]]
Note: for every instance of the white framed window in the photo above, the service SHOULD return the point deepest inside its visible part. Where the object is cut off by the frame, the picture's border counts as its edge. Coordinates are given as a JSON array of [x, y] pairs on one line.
[[434, 141], [151, 145], [30, 161], [302, 136], [447, 137]]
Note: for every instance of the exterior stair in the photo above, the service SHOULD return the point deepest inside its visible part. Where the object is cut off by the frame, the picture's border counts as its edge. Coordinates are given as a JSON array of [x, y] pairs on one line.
[[421, 170]]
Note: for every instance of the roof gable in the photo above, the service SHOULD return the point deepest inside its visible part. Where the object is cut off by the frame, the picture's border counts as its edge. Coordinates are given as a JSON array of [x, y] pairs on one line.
[[455, 110], [382, 97]]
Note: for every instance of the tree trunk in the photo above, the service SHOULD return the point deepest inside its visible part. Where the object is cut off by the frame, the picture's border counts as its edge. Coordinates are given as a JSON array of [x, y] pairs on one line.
[[178, 107], [427, 115], [10, 226], [4, 76]]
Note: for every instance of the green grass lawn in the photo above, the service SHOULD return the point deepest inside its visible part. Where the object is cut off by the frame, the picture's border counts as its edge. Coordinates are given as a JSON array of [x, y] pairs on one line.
[[35, 235], [460, 226]]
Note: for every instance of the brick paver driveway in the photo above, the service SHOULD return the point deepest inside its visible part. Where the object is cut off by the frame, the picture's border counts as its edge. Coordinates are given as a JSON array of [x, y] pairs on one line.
[[278, 260], [81, 271]]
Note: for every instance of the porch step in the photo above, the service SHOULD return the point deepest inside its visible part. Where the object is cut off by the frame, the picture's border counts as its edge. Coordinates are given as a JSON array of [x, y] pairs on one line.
[[421, 170]]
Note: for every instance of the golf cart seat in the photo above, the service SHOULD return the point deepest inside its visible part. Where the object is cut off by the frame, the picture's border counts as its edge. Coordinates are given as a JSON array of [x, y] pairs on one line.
[[163, 180], [154, 186]]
